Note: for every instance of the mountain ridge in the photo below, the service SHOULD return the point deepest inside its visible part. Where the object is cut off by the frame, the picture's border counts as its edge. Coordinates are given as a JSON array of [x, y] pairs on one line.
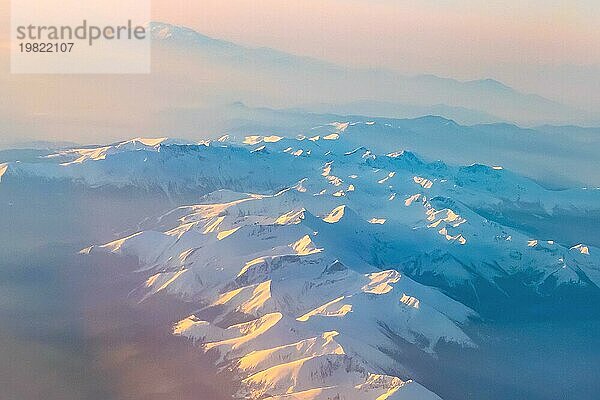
[[415, 91]]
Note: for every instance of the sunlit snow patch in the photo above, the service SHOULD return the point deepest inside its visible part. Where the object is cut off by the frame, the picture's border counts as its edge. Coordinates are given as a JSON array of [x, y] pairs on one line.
[[426, 183], [335, 215], [3, 169], [583, 249]]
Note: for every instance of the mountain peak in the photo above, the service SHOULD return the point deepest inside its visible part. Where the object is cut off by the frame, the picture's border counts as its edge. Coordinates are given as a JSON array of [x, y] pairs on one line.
[[162, 31], [490, 83]]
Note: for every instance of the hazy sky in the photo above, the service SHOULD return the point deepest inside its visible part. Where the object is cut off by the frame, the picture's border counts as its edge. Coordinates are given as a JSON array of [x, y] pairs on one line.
[[549, 47], [460, 37], [546, 47]]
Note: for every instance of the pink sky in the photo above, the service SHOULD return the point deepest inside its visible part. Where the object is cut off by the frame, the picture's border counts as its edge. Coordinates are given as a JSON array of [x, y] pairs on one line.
[[547, 47], [464, 39]]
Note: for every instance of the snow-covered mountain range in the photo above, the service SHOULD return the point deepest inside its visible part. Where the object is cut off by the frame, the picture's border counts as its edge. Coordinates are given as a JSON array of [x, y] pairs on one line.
[[312, 259]]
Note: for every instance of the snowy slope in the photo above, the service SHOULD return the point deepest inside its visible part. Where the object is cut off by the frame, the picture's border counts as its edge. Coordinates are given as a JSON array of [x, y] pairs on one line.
[[280, 309]]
